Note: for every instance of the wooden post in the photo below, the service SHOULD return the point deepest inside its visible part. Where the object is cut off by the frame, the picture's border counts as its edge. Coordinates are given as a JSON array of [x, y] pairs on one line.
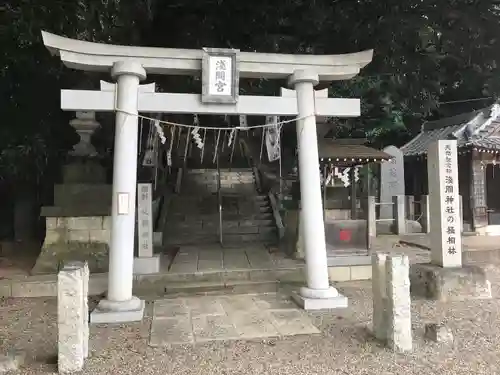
[[354, 208], [410, 207], [371, 221], [424, 220]]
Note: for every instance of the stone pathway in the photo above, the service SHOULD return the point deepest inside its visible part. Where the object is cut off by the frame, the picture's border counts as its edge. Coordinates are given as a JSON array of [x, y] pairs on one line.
[[214, 257], [209, 318]]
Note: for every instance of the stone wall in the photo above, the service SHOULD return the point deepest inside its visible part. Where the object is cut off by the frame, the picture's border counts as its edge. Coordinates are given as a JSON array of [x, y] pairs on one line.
[[77, 195], [75, 238]]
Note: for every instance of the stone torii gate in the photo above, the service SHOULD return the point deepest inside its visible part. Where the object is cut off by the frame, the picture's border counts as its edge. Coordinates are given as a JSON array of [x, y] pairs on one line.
[[130, 65]]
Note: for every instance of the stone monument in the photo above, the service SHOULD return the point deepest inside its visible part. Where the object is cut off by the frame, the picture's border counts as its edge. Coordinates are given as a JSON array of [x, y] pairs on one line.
[[392, 180], [445, 278]]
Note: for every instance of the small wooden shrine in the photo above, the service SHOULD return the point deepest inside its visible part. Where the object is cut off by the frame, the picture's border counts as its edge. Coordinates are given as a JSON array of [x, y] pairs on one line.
[[345, 168]]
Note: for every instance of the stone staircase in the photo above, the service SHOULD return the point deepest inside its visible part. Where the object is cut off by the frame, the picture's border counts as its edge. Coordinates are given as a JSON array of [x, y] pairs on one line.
[[193, 215]]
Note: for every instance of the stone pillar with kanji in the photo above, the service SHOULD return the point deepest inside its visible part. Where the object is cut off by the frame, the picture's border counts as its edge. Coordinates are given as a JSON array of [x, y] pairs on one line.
[[446, 278], [444, 204]]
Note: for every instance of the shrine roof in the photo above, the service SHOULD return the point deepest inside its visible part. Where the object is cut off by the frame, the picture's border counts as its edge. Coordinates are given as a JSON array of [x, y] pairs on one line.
[[479, 129], [349, 151]]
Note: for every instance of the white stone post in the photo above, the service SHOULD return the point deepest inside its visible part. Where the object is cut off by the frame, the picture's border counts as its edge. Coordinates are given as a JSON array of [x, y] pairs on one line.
[[444, 206], [399, 335], [72, 317], [120, 305], [371, 220], [399, 214], [318, 294], [379, 296], [86, 317]]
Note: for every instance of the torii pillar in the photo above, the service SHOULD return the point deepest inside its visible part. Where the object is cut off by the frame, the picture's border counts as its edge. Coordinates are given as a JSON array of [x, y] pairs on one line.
[[120, 305], [318, 294]]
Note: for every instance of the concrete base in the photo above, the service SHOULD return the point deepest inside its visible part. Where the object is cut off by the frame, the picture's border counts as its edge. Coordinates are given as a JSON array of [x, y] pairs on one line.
[[147, 265], [113, 312], [338, 302], [449, 284]]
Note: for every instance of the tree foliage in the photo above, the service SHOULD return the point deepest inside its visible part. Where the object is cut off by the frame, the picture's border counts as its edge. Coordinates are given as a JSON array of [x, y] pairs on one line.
[[426, 52]]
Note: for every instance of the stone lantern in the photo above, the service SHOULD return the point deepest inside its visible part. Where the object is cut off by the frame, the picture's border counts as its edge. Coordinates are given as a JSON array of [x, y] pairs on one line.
[[84, 163], [85, 124]]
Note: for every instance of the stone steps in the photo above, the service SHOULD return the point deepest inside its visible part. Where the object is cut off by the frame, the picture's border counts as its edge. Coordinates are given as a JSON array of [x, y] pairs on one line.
[[214, 217], [217, 282], [190, 238], [194, 214], [268, 238], [226, 224], [183, 289], [245, 198], [214, 228]]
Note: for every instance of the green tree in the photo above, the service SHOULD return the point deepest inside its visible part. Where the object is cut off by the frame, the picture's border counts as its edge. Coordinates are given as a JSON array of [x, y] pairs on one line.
[[426, 52], [36, 132]]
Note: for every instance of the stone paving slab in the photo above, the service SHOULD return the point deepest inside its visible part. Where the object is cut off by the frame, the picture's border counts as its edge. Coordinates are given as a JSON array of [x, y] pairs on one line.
[[273, 302], [213, 258], [200, 306], [209, 265], [292, 322], [213, 327], [184, 267], [170, 308], [255, 324], [171, 331], [189, 320]]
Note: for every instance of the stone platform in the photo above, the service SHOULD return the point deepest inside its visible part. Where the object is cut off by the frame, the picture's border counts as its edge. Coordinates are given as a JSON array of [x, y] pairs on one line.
[[193, 320], [202, 269], [449, 284]]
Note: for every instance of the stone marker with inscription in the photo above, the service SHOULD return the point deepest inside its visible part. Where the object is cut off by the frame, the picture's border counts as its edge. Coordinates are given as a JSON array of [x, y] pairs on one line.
[[392, 180], [445, 279], [145, 220], [146, 262], [446, 240]]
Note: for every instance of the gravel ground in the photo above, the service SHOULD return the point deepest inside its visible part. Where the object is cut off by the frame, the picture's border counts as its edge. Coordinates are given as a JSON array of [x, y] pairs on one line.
[[344, 347]]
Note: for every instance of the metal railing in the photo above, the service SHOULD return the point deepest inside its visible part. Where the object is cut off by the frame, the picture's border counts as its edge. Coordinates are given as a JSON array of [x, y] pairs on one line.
[[219, 200]]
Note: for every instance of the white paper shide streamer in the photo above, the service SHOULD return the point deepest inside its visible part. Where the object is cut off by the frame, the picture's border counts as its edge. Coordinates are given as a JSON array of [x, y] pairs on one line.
[[149, 154], [330, 176], [231, 137], [273, 138], [159, 132], [196, 133], [169, 152], [343, 176]]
